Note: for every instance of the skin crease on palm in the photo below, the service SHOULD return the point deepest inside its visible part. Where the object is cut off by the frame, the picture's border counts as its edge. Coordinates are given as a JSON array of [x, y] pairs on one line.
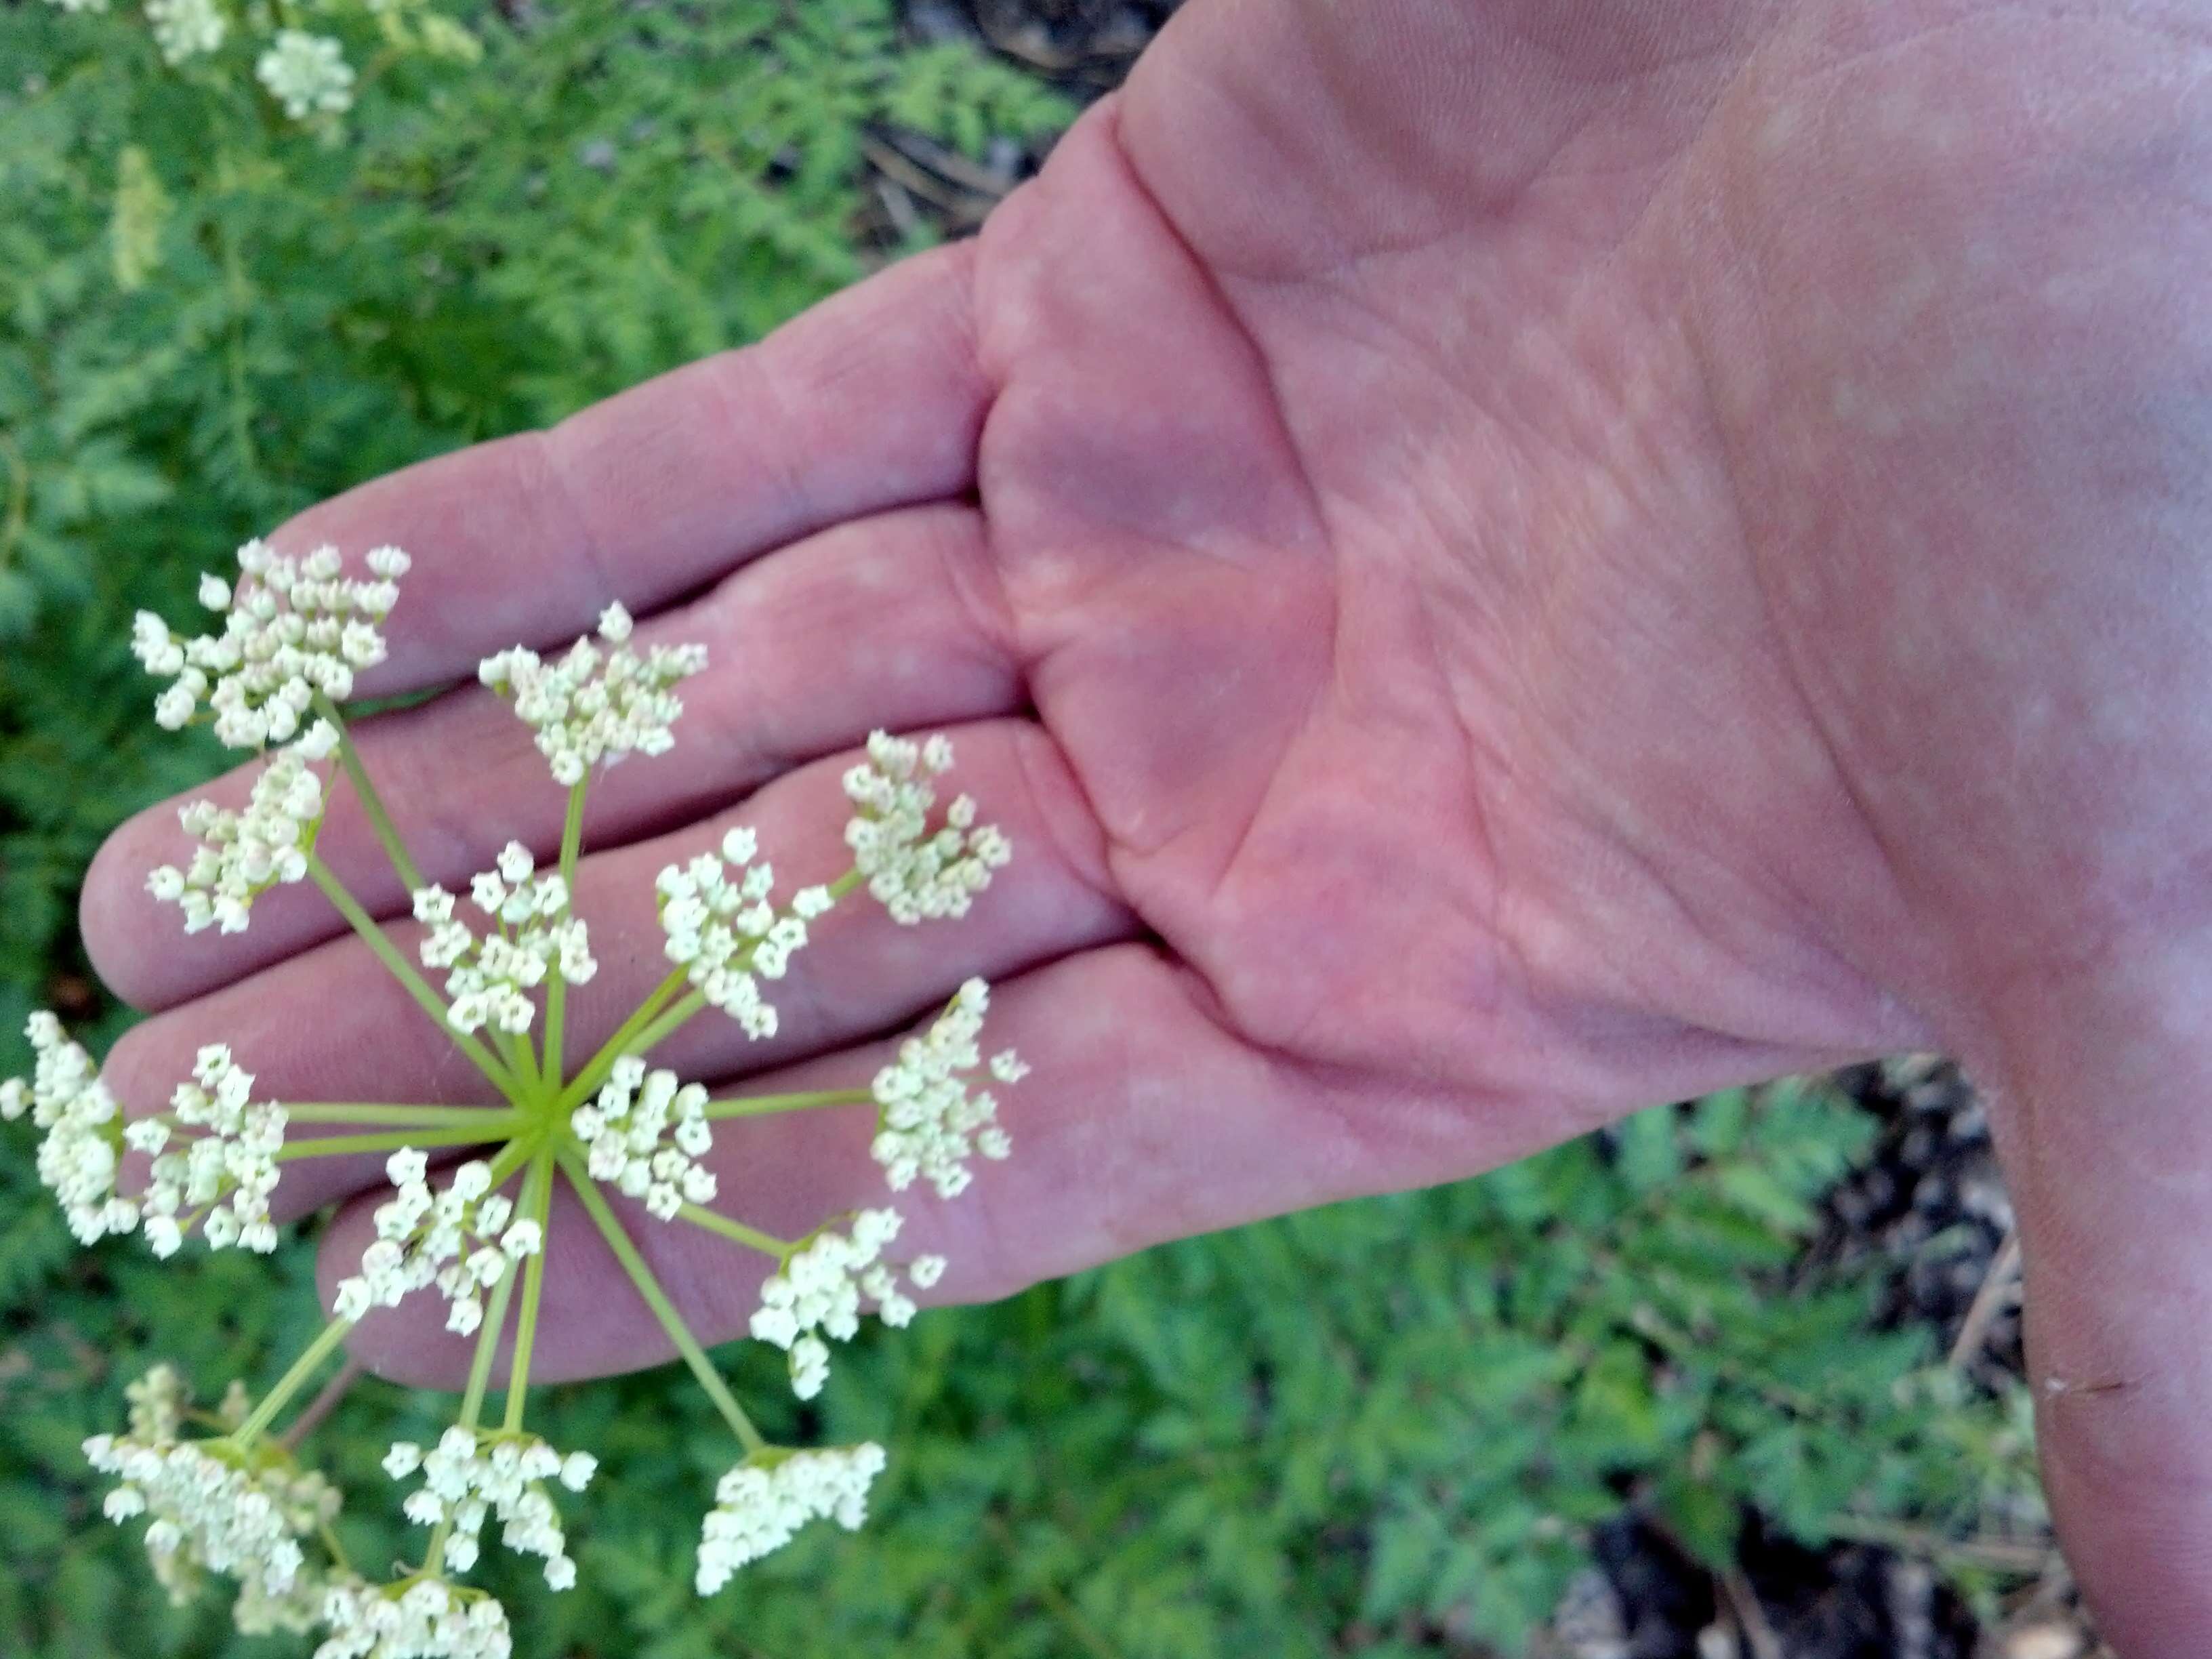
[[1501, 563]]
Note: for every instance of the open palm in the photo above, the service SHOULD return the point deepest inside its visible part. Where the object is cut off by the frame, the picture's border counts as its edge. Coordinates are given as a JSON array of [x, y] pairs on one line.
[[1500, 563]]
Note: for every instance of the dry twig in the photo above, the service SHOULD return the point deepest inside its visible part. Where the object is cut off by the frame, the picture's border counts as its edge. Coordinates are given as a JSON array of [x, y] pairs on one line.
[[2001, 1280]]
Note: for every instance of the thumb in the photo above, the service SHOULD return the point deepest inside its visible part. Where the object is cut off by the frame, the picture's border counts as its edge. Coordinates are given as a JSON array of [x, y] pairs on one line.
[[2102, 1109]]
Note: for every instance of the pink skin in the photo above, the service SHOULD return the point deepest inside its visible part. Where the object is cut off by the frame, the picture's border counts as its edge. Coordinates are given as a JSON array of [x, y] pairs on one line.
[[1502, 563]]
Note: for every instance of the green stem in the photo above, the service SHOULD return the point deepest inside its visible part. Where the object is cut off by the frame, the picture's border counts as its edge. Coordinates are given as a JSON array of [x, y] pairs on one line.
[[426, 1117], [768, 1105], [487, 1346], [509, 1158], [434, 1558], [595, 1072], [501, 1125], [290, 1383], [736, 1231], [663, 1309], [537, 1205], [241, 422], [337, 1551], [668, 1024], [403, 865], [521, 1059], [557, 992], [401, 970], [571, 833]]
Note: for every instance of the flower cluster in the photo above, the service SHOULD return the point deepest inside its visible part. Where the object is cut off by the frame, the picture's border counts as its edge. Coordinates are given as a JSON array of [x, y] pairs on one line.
[[489, 979], [217, 1506], [819, 1287], [644, 1132], [467, 1478], [83, 1136], [463, 1239], [158, 1401], [292, 627], [761, 1505], [234, 1156], [241, 855], [725, 934], [186, 28], [593, 705], [308, 74], [915, 873], [929, 1120], [423, 1617], [296, 632]]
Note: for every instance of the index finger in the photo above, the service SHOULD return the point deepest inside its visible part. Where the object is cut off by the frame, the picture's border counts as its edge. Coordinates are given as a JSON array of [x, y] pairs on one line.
[[871, 400]]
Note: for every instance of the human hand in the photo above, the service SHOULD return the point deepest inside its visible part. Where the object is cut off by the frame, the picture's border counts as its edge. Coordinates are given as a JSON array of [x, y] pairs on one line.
[[1499, 564]]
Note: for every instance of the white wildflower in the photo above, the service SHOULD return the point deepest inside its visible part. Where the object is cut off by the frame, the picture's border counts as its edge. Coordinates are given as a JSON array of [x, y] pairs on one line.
[[186, 28], [489, 977], [418, 1619], [468, 1477], [291, 628], [83, 1143], [307, 73], [233, 1157], [594, 705], [929, 1121], [215, 1506], [725, 933], [458, 1238], [241, 855], [819, 1289], [914, 872], [761, 1505], [645, 1133]]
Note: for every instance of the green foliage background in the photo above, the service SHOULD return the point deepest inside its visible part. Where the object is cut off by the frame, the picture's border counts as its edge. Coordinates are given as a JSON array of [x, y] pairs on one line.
[[1385, 1428]]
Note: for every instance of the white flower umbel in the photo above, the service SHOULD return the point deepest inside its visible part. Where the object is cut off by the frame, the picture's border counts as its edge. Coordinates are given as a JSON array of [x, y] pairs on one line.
[[214, 1506], [294, 633], [462, 1238], [186, 28], [241, 855], [83, 1129], [645, 1133], [468, 1476], [308, 74], [727, 935], [232, 1157], [930, 1120], [417, 1619], [914, 872], [596, 705], [291, 628], [818, 1290], [489, 979], [761, 1505]]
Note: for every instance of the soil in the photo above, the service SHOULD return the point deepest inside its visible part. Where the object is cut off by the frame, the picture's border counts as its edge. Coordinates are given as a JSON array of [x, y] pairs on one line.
[[1929, 1202]]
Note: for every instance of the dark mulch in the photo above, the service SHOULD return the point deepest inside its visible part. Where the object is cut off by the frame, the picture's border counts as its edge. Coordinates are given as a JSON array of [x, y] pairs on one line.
[[1083, 46]]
